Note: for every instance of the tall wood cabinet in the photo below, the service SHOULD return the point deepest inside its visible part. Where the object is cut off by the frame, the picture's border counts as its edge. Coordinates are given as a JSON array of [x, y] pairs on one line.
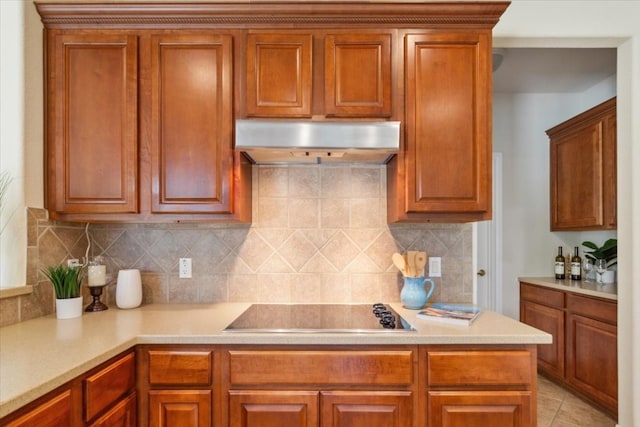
[[92, 123], [583, 170], [584, 353], [444, 172]]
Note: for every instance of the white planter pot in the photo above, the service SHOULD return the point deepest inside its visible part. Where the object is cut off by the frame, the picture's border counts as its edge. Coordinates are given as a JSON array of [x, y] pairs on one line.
[[68, 308], [128, 289], [608, 276]]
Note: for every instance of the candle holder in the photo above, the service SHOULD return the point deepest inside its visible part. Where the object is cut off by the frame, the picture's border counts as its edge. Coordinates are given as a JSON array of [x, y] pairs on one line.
[[96, 304]]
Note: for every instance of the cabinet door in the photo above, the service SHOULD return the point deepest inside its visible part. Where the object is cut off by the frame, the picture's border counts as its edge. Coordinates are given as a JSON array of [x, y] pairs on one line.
[[191, 116], [184, 408], [358, 75], [123, 414], [480, 409], [448, 123], [273, 408], [366, 409], [54, 413], [583, 171], [92, 123], [592, 359], [279, 75], [550, 320]]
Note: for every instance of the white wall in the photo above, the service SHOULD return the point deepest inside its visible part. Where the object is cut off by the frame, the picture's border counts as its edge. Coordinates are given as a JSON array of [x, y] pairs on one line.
[[520, 122], [565, 23], [13, 236]]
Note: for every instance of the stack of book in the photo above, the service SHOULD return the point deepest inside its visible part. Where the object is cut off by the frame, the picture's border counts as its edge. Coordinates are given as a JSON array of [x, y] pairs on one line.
[[455, 314]]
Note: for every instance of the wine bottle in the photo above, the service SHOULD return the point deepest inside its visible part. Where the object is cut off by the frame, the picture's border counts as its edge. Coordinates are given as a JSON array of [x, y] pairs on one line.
[[576, 265], [559, 267]]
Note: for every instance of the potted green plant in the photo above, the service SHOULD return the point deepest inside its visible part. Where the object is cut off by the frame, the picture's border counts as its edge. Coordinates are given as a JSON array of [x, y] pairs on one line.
[[608, 252], [66, 282]]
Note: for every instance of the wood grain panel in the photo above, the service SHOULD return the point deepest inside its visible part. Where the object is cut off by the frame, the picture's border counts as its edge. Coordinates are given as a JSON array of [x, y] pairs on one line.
[[180, 367], [448, 157], [191, 150], [550, 320], [92, 118], [184, 408], [122, 414], [595, 308], [258, 408], [541, 295], [366, 409], [54, 413], [311, 367], [278, 78], [358, 75], [455, 368], [480, 409], [105, 387]]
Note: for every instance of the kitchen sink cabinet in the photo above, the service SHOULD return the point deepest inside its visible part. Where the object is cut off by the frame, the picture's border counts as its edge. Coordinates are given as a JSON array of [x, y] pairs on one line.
[[303, 386], [583, 356], [583, 170], [284, 70], [444, 171]]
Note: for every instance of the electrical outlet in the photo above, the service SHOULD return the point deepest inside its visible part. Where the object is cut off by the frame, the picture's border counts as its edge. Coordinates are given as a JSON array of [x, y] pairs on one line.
[[73, 262], [435, 267], [185, 268]]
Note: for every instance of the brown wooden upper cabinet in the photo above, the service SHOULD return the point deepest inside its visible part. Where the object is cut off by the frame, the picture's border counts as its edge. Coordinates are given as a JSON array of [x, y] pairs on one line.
[[284, 72], [583, 170], [140, 128], [445, 171], [92, 130]]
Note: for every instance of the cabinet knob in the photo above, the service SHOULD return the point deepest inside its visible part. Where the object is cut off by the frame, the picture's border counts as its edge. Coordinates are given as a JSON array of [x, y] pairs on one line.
[[481, 272]]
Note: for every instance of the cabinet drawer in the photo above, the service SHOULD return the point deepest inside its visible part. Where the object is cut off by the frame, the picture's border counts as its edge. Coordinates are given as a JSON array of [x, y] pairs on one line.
[[54, 413], [179, 367], [109, 384], [486, 368], [593, 307], [321, 367], [542, 295]]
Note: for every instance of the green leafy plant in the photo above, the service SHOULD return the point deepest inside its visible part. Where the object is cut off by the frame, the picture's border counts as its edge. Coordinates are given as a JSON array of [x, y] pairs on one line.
[[65, 279], [608, 251]]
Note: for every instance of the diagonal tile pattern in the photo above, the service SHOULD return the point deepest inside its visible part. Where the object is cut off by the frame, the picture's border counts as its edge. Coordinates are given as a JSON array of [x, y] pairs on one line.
[[319, 234]]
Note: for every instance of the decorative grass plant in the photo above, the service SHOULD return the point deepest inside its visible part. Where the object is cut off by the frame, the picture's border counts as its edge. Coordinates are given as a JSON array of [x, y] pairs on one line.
[[65, 279]]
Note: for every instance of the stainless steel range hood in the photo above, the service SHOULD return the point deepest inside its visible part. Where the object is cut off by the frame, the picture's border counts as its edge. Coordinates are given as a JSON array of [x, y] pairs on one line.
[[288, 141]]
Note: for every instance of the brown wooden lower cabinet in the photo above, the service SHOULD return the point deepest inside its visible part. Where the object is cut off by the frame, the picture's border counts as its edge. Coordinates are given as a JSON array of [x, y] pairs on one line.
[[298, 386], [584, 355]]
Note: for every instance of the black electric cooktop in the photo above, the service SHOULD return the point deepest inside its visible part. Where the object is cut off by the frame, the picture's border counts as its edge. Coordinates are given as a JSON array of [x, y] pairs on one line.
[[315, 318]]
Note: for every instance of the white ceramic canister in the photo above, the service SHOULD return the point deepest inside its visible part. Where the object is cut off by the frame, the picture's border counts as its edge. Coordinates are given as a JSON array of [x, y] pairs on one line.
[[129, 289]]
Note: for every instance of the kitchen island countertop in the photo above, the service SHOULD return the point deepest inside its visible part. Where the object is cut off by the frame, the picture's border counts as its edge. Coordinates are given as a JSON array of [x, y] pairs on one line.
[[41, 354]]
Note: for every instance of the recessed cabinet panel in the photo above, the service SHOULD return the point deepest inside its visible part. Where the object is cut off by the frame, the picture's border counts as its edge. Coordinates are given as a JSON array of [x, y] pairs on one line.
[[366, 408], [358, 75], [481, 408], [583, 170], [279, 75], [92, 124], [191, 150], [256, 408], [448, 112]]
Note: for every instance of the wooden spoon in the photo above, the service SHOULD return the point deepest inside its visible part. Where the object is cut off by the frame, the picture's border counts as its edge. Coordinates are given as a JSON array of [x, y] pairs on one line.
[[399, 262], [411, 262], [420, 262]]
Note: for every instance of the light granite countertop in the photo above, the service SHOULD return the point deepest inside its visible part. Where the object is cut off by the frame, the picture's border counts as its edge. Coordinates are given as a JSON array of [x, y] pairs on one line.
[[602, 290], [39, 355]]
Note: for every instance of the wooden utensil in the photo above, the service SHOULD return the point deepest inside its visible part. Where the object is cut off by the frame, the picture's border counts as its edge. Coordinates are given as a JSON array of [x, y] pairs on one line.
[[400, 263], [411, 262], [420, 262]]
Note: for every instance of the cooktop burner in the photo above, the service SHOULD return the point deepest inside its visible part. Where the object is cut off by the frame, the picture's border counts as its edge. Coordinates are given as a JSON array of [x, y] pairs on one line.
[[314, 318]]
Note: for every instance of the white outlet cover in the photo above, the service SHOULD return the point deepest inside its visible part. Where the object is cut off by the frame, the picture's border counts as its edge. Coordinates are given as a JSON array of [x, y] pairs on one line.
[[435, 267], [185, 268]]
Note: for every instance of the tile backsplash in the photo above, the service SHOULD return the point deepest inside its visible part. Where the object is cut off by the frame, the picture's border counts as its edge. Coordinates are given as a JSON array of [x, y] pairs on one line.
[[319, 234]]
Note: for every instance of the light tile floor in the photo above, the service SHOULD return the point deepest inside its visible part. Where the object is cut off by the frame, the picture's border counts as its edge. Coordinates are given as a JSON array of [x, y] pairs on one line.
[[558, 407]]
